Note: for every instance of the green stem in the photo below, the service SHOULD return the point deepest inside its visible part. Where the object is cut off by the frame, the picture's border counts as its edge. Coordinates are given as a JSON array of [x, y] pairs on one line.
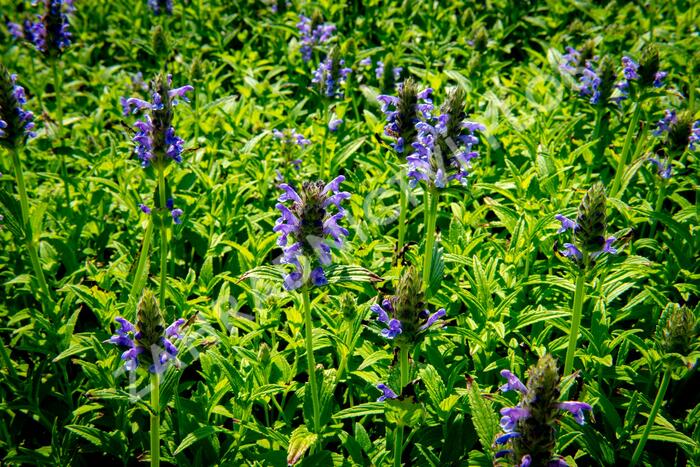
[[403, 207], [404, 366], [324, 122], [652, 416], [155, 420], [398, 445], [658, 207], [24, 205], [58, 85], [430, 220], [579, 296], [622, 163], [311, 363], [163, 237]]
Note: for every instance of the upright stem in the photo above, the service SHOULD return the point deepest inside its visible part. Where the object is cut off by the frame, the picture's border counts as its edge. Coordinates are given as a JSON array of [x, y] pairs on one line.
[[398, 445], [163, 237], [58, 85], [324, 122], [311, 363], [403, 206], [24, 205], [652, 416], [404, 366], [659, 206], [622, 163], [579, 296], [430, 220], [155, 420]]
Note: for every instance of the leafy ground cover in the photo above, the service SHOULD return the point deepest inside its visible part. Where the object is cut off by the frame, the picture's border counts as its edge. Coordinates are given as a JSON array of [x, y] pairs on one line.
[[349, 233]]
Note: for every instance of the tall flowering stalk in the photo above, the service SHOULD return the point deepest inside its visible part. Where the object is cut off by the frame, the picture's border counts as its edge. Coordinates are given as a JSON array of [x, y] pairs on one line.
[[637, 78], [16, 125], [679, 134], [158, 145], [149, 343], [161, 6], [307, 228], [530, 428], [444, 149], [313, 32], [407, 322], [51, 36], [403, 112], [589, 241], [677, 342], [330, 78]]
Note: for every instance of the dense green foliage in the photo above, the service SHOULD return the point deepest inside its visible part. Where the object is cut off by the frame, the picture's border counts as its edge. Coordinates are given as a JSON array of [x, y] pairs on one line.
[[240, 395]]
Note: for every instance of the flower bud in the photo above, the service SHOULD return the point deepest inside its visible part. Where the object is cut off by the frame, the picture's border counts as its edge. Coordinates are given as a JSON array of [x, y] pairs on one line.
[[591, 220], [149, 320], [677, 329], [648, 65]]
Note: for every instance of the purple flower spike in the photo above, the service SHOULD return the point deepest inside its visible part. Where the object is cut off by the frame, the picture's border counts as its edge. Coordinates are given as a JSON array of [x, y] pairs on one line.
[[576, 409], [387, 393], [513, 384]]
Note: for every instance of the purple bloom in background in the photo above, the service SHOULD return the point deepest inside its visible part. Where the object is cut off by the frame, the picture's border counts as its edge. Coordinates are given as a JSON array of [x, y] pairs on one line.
[[161, 6], [308, 225], [629, 68], [156, 141], [658, 78], [50, 34], [290, 136], [590, 83], [175, 213], [331, 74], [145, 209], [694, 136], [387, 393], [379, 71], [664, 125], [334, 124], [663, 168], [313, 33], [571, 60]]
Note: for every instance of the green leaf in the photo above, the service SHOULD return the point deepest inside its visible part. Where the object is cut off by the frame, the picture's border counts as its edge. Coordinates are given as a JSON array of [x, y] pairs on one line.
[[197, 435], [484, 417], [300, 441]]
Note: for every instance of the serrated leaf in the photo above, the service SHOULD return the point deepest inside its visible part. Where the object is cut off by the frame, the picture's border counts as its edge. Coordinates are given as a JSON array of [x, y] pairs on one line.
[[484, 418]]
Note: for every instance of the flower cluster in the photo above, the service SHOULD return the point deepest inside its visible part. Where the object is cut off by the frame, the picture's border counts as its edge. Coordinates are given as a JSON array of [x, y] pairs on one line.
[[530, 427], [444, 147], [680, 130], [155, 139], [16, 123], [404, 111], [571, 60], [313, 32], [50, 34], [147, 342], [646, 72], [597, 83], [159, 6], [331, 74], [404, 314], [306, 227], [589, 240], [290, 137]]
